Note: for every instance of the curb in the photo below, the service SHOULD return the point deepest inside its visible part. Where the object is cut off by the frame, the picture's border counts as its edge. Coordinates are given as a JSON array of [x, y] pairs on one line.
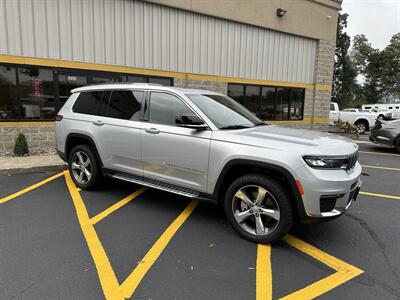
[[60, 167]]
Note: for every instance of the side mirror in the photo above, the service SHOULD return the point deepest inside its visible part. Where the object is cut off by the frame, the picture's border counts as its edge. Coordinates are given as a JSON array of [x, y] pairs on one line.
[[190, 121]]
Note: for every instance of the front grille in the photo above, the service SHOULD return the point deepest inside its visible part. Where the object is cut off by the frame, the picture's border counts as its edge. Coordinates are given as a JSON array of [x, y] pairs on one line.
[[351, 161], [327, 204]]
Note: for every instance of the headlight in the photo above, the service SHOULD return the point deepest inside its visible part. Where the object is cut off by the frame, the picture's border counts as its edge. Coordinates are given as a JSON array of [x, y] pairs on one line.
[[326, 162]]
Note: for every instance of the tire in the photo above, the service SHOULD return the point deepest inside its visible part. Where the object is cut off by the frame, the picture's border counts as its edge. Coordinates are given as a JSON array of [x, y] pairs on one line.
[[381, 117], [397, 144], [276, 203], [76, 167], [361, 127]]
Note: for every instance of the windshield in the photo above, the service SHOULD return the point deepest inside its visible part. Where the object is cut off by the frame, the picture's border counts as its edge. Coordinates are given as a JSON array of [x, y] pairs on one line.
[[225, 112]]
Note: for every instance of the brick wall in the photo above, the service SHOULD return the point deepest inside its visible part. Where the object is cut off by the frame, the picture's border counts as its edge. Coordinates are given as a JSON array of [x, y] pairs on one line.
[[219, 87], [40, 138]]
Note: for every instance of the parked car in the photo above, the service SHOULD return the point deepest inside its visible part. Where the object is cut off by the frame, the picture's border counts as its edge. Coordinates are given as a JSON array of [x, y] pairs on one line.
[[363, 120], [386, 133], [205, 145]]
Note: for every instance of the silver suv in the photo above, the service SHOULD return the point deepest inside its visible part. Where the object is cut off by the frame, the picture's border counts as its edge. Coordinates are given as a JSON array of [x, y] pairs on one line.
[[202, 144]]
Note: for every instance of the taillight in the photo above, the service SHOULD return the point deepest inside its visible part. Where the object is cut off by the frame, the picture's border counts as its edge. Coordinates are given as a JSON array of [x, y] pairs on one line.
[[59, 117]]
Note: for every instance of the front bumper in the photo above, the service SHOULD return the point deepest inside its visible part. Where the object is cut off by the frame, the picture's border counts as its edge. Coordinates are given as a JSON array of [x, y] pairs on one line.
[[317, 184]]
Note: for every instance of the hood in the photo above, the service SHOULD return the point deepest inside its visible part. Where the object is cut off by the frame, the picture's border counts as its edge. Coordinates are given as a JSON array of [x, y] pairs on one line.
[[283, 138]]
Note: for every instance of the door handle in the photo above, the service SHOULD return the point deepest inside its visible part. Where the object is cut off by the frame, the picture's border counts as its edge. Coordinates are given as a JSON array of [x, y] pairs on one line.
[[98, 123], [152, 130]]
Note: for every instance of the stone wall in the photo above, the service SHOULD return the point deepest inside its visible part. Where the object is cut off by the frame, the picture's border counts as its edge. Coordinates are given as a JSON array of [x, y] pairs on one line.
[[219, 87], [40, 138]]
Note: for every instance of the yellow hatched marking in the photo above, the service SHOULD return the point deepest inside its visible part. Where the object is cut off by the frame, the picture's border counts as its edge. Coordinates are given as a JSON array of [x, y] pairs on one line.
[[379, 167], [344, 271], [106, 274], [263, 273], [132, 281], [380, 195], [30, 188], [116, 206]]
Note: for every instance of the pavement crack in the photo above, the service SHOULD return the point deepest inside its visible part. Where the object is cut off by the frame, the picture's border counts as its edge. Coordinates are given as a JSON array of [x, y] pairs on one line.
[[382, 247]]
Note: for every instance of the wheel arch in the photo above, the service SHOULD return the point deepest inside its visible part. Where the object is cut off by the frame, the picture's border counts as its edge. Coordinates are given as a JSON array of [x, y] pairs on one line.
[[365, 121], [239, 167], [74, 139]]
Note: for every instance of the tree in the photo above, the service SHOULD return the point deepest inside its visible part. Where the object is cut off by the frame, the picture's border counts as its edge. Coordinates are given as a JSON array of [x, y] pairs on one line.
[[344, 73], [368, 63], [390, 58]]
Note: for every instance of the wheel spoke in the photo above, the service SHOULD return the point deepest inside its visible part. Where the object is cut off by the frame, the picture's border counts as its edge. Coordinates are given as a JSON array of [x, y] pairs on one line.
[[243, 215], [80, 177], [260, 196], [75, 166], [87, 162], [242, 196], [274, 214], [260, 229], [79, 155], [87, 173]]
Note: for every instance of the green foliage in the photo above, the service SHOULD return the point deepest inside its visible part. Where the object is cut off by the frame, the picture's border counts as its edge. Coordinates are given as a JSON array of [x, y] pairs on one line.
[[21, 146], [344, 73], [390, 58]]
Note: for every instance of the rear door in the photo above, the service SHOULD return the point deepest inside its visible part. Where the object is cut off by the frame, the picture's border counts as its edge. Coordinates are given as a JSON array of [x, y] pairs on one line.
[[172, 154], [118, 133]]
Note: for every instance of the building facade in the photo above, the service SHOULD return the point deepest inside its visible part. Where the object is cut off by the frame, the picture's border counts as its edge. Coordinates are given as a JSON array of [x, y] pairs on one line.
[[275, 57]]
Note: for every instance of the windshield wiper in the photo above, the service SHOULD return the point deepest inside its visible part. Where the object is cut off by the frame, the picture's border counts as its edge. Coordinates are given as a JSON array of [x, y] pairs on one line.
[[235, 127]]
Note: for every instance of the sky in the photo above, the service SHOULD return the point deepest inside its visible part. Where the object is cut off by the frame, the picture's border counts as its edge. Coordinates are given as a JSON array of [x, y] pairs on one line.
[[379, 20]]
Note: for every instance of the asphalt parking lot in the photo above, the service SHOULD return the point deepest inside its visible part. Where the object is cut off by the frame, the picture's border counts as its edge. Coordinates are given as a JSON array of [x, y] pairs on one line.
[[125, 241]]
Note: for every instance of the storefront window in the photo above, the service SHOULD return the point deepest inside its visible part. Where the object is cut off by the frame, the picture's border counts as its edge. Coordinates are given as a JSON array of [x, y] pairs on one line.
[[252, 98], [160, 80], [133, 78], [68, 83], [36, 93], [268, 102], [296, 104], [236, 91], [267, 109], [8, 94]]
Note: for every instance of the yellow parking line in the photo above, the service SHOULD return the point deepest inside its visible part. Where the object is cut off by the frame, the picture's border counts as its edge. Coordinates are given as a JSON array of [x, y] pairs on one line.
[[116, 206], [263, 273], [105, 272], [132, 281], [344, 271], [379, 167], [379, 153], [30, 188], [380, 195]]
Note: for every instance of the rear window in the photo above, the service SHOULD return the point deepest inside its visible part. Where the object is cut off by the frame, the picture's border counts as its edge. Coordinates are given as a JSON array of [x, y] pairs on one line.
[[89, 102]]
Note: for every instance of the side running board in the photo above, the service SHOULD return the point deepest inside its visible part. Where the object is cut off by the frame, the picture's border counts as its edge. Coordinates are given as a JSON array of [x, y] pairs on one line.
[[156, 184]]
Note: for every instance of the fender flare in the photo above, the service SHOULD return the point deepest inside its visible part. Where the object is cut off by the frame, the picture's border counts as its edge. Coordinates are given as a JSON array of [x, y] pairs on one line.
[[86, 138]]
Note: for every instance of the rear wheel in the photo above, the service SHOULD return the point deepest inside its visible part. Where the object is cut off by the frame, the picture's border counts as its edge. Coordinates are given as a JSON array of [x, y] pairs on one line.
[[258, 207], [83, 167], [361, 127]]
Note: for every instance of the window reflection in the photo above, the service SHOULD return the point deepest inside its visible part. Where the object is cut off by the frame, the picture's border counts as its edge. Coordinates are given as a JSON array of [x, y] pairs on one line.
[[36, 93]]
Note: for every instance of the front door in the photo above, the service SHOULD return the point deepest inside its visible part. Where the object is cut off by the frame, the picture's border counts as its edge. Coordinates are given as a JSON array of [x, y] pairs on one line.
[[172, 154]]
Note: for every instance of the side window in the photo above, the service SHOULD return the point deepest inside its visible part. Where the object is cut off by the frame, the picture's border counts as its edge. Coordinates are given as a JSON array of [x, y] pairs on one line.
[[125, 105], [88, 102], [164, 108], [332, 106]]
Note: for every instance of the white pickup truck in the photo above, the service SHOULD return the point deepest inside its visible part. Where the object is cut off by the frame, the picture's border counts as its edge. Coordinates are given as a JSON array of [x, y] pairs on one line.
[[363, 120]]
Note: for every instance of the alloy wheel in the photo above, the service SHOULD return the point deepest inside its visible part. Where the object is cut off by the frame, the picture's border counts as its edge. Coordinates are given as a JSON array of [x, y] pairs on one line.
[[81, 167], [256, 210]]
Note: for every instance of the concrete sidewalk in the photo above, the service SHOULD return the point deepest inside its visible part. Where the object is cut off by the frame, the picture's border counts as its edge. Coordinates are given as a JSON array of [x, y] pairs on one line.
[[30, 164]]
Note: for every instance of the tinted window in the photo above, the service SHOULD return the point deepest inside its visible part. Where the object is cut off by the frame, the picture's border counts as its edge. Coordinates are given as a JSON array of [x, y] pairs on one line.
[[9, 108], [88, 102], [236, 91], [252, 100], [282, 103], [66, 83], [267, 109], [160, 80], [332, 106], [164, 108], [125, 105]]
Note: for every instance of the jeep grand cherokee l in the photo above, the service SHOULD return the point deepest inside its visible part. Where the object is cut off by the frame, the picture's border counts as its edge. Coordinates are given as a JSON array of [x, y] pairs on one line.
[[205, 145]]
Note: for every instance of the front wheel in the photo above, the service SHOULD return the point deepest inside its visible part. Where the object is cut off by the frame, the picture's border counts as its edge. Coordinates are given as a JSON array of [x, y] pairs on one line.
[[258, 207], [361, 127]]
